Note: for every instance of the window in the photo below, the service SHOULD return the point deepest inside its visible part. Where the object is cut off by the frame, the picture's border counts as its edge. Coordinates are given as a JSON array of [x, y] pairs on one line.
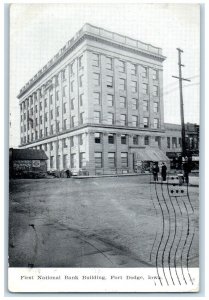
[[134, 86], [123, 139], [24, 116], [155, 90], [122, 84], [122, 102], [41, 133], [51, 146], [80, 61], [72, 104], [109, 63], [109, 81], [95, 60], [72, 86], [134, 103], [73, 121], [111, 160], [40, 105], [45, 102], [145, 88], [52, 129], [46, 131], [31, 111], [111, 138], [81, 99], [36, 121], [63, 74], [58, 126], [124, 159], [56, 80], [146, 140], [45, 147], [168, 142], [144, 72], [51, 99], [156, 123], [31, 101], [97, 117], [133, 70], [65, 124], [57, 95], [64, 141], [41, 120], [123, 120], [180, 142], [135, 139], [72, 68], [158, 141], [46, 117], [96, 79], [155, 74], [72, 144], [51, 162], [64, 91], [82, 159], [32, 137], [121, 66], [57, 110], [156, 107], [81, 80], [110, 118], [96, 97], [36, 134], [64, 107], [65, 166], [98, 160], [146, 122], [81, 118], [73, 160], [36, 109], [97, 138], [134, 121], [24, 105], [174, 142], [24, 128], [109, 100], [21, 118], [145, 105], [81, 137]]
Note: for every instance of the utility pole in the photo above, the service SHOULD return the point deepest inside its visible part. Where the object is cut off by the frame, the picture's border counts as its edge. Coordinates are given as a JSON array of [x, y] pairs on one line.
[[181, 101]]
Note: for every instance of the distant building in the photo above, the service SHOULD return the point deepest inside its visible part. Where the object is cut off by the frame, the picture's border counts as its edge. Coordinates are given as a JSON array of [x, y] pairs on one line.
[[22, 161], [97, 105]]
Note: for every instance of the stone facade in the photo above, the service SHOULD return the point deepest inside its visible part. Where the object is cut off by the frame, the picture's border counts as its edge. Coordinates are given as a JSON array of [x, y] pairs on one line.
[[96, 100]]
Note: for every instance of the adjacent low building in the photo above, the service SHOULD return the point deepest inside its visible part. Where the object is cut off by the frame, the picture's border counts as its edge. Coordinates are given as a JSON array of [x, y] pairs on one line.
[[97, 105]]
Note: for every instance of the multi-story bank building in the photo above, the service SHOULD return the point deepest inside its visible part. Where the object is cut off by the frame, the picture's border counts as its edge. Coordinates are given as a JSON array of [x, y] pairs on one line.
[[97, 105]]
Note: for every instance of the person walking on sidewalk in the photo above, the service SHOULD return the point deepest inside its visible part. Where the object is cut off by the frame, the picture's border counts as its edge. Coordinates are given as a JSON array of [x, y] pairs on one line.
[[163, 172], [155, 171]]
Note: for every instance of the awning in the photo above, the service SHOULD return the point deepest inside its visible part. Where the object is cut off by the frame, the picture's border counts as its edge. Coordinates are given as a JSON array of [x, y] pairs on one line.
[[149, 154]]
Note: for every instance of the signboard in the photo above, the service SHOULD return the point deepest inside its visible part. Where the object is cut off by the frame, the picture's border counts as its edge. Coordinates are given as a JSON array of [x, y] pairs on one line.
[[36, 163]]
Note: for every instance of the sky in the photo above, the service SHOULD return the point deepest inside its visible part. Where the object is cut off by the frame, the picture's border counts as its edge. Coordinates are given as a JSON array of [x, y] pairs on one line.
[[38, 31]]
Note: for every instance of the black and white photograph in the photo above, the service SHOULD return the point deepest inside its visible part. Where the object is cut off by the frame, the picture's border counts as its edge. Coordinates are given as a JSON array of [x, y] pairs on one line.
[[104, 135]]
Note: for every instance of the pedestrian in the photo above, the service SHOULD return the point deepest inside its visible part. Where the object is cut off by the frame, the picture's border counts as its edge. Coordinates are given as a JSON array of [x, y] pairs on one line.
[[69, 173], [155, 171], [164, 172], [187, 170]]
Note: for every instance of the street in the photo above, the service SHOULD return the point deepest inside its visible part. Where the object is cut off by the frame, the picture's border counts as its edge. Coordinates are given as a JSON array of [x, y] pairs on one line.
[[101, 222]]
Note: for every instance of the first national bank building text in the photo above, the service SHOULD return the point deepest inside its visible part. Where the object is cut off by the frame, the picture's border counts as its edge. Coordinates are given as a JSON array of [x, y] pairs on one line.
[[96, 104]]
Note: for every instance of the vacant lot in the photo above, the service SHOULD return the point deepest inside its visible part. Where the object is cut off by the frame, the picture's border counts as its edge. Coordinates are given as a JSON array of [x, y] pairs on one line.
[[101, 222]]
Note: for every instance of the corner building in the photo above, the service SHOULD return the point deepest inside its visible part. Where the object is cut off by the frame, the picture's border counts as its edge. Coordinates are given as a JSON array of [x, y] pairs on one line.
[[96, 104]]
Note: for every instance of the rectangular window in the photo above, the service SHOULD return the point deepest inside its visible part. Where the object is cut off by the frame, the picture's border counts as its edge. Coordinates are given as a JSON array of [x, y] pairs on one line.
[[156, 107], [31, 111], [110, 118], [65, 124], [45, 147], [145, 88], [135, 139], [56, 80], [80, 80], [111, 160], [133, 70], [123, 120], [24, 128], [24, 116], [109, 64], [72, 160], [41, 133], [64, 107], [123, 139], [134, 103], [64, 91], [144, 72], [96, 79], [146, 122], [122, 84], [51, 162], [36, 134], [81, 99], [155, 74], [158, 141], [121, 67], [46, 131], [156, 123], [96, 97], [40, 106], [51, 146], [145, 105], [73, 121], [109, 100], [65, 166], [46, 117], [146, 140], [95, 60], [109, 81], [32, 136], [80, 61], [111, 138], [72, 86], [122, 102], [168, 142], [124, 159], [174, 142], [51, 99], [58, 126], [72, 104], [72, 143], [72, 68], [31, 101], [57, 110], [81, 118], [36, 108], [63, 74], [82, 160], [97, 137], [52, 129], [45, 102], [155, 90], [97, 117], [80, 138], [64, 141], [57, 95], [134, 86], [134, 121], [98, 160], [41, 120]]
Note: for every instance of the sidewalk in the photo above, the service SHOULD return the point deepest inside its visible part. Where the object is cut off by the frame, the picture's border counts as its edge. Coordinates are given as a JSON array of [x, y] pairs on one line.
[[193, 181]]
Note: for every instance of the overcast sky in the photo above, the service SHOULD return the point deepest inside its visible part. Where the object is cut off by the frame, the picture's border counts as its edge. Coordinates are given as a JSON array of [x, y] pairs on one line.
[[38, 31]]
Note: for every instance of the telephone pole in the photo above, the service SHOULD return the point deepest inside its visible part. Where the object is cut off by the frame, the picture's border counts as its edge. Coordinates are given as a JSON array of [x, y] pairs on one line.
[[180, 51]]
